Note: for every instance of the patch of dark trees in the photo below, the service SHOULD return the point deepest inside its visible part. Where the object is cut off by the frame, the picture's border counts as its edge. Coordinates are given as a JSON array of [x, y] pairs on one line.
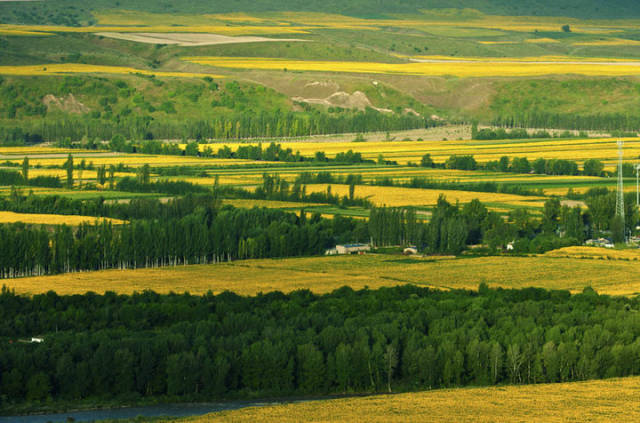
[[194, 348]]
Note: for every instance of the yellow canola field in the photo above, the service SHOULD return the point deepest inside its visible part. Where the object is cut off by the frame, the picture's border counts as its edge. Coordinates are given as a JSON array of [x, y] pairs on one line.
[[326, 274], [134, 160], [395, 196], [21, 151], [541, 41], [609, 42], [412, 151], [52, 219], [67, 68], [520, 59], [610, 400], [460, 69], [595, 253]]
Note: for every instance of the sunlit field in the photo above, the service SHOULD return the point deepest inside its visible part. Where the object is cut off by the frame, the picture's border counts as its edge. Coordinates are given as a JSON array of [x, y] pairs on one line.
[[394, 196], [325, 274], [73, 68], [52, 219], [604, 149], [460, 69], [610, 400]]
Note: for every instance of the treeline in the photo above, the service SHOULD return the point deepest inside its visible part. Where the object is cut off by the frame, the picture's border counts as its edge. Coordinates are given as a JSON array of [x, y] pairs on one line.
[[274, 152], [426, 183], [591, 167], [237, 126], [199, 348], [275, 188], [517, 134], [134, 208], [536, 118], [207, 235], [12, 178], [451, 228]]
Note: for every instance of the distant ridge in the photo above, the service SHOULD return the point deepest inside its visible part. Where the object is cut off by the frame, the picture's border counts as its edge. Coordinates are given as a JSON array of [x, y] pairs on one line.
[[78, 12]]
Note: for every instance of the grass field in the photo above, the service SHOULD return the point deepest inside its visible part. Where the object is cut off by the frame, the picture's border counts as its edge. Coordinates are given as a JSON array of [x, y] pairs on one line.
[[610, 400], [52, 219], [325, 274]]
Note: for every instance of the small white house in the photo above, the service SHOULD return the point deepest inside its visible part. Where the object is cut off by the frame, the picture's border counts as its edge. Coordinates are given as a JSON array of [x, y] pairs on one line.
[[348, 249], [37, 340]]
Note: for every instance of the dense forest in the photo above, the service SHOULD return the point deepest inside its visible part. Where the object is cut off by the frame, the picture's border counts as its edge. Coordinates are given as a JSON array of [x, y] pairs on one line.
[[227, 346]]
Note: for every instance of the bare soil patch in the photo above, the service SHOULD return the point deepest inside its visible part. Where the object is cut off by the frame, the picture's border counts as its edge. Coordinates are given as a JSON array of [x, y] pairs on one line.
[[188, 39], [68, 104]]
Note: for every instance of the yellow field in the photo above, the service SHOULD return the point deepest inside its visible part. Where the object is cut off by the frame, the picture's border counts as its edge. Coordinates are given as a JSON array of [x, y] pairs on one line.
[[541, 40], [611, 400], [325, 274], [491, 43], [521, 59], [403, 152], [395, 196], [52, 219], [611, 42], [134, 160], [66, 68], [21, 151], [425, 69], [595, 253]]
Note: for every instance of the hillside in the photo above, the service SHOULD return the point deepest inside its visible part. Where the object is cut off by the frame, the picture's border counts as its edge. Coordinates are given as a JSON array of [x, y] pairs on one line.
[[75, 12]]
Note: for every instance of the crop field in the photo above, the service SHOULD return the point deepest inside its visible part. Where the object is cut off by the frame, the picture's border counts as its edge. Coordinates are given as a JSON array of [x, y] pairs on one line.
[[452, 68], [610, 400], [253, 176], [595, 253], [52, 219], [395, 196], [77, 194], [325, 274], [73, 68], [604, 149], [132, 160], [31, 150]]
